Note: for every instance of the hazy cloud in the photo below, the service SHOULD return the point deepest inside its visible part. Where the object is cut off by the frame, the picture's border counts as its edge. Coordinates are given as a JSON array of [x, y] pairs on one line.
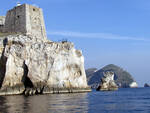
[[95, 35], [35, 5]]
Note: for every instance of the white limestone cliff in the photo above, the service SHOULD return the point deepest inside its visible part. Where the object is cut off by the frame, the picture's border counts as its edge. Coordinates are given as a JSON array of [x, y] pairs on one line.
[[133, 85], [29, 65], [107, 82]]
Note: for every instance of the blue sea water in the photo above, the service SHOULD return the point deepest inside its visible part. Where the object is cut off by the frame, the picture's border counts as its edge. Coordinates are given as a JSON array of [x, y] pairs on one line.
[[136, 100]]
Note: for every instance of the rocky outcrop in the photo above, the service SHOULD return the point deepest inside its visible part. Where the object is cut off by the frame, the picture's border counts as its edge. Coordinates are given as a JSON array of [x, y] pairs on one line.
[[133, 85], [107, 82], [122, 78], [29, 66], [146, 85]]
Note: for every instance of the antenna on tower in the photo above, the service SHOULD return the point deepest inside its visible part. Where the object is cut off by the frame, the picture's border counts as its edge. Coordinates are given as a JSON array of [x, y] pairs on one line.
[[18, 3]]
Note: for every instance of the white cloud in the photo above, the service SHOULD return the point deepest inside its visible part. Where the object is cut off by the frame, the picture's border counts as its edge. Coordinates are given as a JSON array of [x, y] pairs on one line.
[[35, 5], [95, 35]]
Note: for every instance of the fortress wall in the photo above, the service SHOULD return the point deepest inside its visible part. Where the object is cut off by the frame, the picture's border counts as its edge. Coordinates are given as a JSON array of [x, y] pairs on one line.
[[15, 20], [1, 28], [28, 22], [25, 19], [35, 22], [2, 22], [43, 29]]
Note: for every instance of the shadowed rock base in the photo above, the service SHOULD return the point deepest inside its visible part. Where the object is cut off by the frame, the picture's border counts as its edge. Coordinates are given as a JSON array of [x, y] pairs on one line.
[[14, 90], [106, 89], [65, 90], [20, 89]]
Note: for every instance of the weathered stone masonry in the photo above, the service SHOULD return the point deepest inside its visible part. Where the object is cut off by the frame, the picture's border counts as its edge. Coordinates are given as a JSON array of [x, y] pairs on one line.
[[25, 19], [2, 23]]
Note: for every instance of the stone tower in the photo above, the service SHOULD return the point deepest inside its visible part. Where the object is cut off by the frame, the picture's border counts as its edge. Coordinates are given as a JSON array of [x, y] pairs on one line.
[[26, 19], [2, 23]]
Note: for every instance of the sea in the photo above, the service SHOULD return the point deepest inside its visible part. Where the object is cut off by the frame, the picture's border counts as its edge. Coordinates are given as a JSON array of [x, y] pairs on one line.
[[125, 100]]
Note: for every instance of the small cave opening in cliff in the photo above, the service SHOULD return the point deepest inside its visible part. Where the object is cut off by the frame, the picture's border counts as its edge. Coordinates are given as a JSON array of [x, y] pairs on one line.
[[3, 61], [25, 79]]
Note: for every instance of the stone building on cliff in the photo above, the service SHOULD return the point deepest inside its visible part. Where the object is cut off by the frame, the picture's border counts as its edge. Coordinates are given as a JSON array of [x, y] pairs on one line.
[[32, 64], [24, 19]]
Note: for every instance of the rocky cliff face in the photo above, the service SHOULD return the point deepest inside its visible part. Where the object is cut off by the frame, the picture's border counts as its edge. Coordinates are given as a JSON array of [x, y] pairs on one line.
[[29, 65], [107, 82], [122, 78]]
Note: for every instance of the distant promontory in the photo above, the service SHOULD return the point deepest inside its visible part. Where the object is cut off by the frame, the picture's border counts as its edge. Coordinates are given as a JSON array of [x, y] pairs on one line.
[[122, 78]]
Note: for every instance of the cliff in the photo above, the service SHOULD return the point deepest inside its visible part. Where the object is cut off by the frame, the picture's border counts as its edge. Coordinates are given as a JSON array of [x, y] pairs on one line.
[[107, 82], [29, 66], [122, 78]]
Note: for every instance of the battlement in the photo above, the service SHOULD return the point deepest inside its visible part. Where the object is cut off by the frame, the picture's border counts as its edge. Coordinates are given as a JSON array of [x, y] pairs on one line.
[[25, 19]]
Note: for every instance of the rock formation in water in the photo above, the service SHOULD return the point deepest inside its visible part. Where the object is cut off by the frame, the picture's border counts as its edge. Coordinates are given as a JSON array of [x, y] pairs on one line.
[[107, 82], [133, 85], [122, 78], [146, 85], [31, 64]]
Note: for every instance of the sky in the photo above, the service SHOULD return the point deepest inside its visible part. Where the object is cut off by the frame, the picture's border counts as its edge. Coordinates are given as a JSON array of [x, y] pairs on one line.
[[107, 31]]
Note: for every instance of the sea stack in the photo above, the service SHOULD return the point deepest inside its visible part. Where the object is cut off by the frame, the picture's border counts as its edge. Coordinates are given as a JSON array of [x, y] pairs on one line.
[[121, 77], [30, 63], [133, 85], [107, 82]]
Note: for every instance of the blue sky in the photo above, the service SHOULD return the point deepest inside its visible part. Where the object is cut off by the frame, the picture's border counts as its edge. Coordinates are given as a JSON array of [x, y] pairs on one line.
[[107, 31]]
